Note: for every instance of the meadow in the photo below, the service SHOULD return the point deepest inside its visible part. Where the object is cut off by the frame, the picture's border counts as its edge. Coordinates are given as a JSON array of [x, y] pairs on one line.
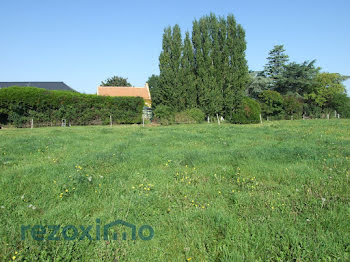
[[272, 192]]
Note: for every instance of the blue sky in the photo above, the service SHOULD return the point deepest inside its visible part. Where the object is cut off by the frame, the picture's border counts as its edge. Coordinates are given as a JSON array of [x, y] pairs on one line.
[[84, 42]]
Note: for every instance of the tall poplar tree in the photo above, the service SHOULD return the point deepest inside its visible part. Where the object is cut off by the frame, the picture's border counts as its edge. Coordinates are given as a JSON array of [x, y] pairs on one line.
[[210, 73], [176, 48], [229, 92], [169, 67], [188, 95], [242, 72], [165, 75], [215, 68], [207, 67], [199, 66]]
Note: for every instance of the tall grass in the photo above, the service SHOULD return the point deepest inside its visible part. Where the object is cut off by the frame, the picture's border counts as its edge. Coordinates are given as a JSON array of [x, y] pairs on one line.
[[272, 192]]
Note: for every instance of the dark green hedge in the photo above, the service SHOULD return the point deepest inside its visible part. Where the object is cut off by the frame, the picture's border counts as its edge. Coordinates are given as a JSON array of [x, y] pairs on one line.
[[248, 113], [164, 115], [20, 104]]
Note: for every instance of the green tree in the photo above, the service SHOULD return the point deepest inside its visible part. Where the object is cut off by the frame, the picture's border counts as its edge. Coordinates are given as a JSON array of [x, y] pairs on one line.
[[271, 103], [199, 66], [166, 74], [292, 105], [116, 81], [276, 61], [257, 83], [188, 95], [298, 79], [210, 49], [154, 88], [238, 75], [176, 53], [210, 73], [169, 66], [327, 86], [341, 103]]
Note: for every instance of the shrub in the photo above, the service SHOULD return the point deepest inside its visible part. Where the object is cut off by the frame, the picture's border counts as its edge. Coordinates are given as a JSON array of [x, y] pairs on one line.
[[313, 110], [292, 106], [19, 104], [183, 118], [341, 103], [248, 113], [271, 103], [197, 114], [193, 115], [164, 114]]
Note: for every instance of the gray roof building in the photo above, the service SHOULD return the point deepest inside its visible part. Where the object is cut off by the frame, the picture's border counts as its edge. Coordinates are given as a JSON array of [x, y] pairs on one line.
[[46, 85]]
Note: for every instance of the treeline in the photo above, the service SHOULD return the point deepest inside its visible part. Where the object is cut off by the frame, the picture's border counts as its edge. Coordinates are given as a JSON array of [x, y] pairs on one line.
[[290, 90], [205, 70], [18, 105]]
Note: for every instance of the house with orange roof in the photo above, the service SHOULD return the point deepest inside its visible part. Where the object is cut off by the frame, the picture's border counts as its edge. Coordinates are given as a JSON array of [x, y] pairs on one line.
[[126, 91]]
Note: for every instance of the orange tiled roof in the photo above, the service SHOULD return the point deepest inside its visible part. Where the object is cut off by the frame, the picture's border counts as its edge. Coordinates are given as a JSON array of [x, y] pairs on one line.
[[124, 91]]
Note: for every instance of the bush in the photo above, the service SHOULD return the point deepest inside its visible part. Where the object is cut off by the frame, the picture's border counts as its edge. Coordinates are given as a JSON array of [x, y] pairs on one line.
[[271, 103], [19, 104], [292, 106], [196, 114], [313, 110], [183, 118], [248, 113], [341, 103], [193, 115], [164, 114]]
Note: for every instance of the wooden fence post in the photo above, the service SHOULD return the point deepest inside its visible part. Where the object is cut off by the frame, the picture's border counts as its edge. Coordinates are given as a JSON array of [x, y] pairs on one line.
[[328, 116], [110, 121], [217, 116], [260, 119], [32, 123]]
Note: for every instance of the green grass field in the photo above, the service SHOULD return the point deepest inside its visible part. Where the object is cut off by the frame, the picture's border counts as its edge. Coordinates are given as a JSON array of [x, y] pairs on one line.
[[273, 192]]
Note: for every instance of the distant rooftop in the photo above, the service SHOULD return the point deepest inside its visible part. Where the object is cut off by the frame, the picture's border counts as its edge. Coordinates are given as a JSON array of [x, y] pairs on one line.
[[46, 85]]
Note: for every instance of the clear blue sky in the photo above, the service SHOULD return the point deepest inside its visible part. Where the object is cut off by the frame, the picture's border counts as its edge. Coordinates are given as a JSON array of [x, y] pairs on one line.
[[84, 42]]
